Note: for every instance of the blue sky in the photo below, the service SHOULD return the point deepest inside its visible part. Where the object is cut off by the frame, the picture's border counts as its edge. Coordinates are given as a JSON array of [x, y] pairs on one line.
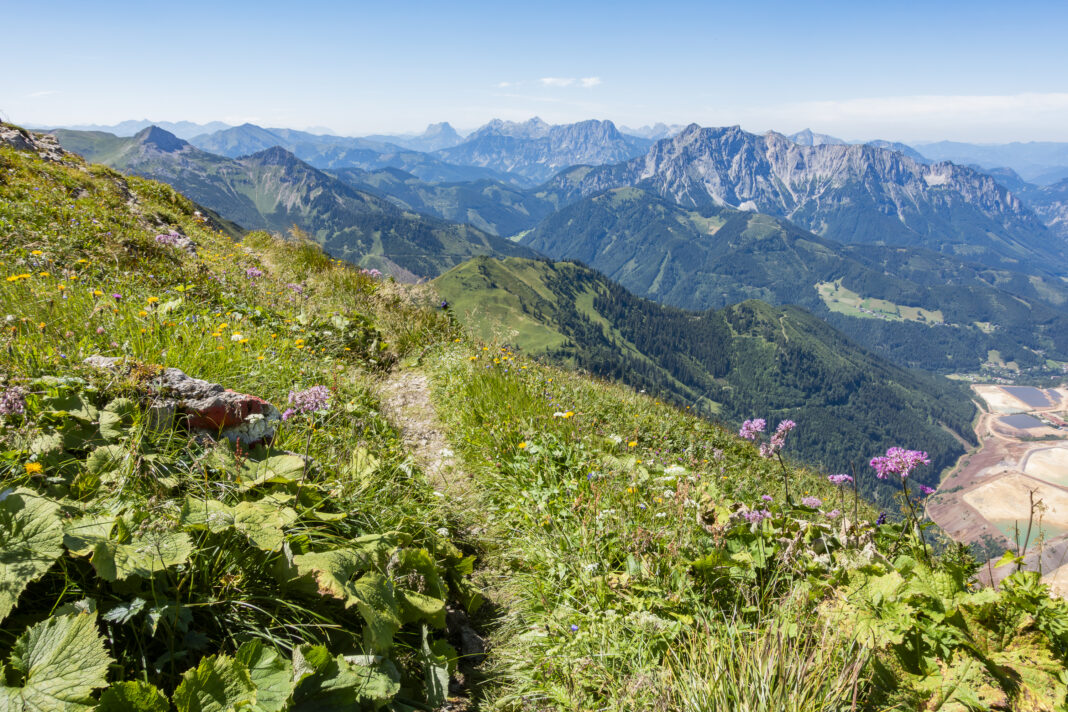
[[973, 71]]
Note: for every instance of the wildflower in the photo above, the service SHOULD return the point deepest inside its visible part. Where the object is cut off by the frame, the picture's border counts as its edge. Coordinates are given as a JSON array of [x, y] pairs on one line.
[[839, 479], [926, 490], [36, 253], [97, 293], [168, 240], [767, 497], [898, 461], [142, 313], [813, 502], [833, 514], [116, 296], [236, 336], [523, 446], [99, 330], [307, 401], [252, 273], [756, 516], [152, 300], [750, 428], [881, 520], [632, 443], [12, 401], [298, 288], [574, 628], [33, 468]]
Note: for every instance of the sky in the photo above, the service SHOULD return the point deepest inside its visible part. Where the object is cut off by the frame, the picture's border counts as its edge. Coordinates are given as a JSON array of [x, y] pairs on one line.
[[976, 71]]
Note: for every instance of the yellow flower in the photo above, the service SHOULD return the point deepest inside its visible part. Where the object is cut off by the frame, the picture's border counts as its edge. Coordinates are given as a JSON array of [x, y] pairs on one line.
[[152, 300], [243, 341], [61, 287], [222, 326], [44, 274], [34, 468], [473, 358], [298, 343], [142, 313], [36, 252], [83, 261], [569, 414], [259, 358], [522, 446], [97, 293], [632, 443]]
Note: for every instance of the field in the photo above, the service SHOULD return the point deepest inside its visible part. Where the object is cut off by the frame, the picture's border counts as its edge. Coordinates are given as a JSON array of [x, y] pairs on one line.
[[843, 300], [989, 495]]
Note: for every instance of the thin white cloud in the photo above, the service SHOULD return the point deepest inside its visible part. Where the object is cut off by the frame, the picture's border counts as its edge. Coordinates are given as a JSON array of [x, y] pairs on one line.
[[584, 82], [46, 92], [505, 85]]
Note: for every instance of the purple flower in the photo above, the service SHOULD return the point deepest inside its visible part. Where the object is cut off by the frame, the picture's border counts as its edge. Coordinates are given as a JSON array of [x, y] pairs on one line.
[[308, 401], [767, 497], [756, 516], [751, 428], [298, 288], [898, 461], [833, 514], [253, 272], [839, 479], [926, 490], [168, 240], [813, 502], [116, 296], [574, 628], [12, 401], [881, 520]]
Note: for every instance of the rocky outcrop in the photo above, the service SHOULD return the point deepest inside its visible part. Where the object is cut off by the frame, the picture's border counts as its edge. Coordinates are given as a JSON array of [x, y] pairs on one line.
[[204, 407], [44, 145]]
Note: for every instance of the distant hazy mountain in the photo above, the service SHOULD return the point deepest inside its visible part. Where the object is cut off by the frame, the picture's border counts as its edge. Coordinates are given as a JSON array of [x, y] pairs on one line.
[[274, 190], [851, 194], [655, 132], [807, 137], [537, 150], [181, 129], [746, 359], [715, 256], [326, 151], [436, 136], [1042, 162], [1051, 204]]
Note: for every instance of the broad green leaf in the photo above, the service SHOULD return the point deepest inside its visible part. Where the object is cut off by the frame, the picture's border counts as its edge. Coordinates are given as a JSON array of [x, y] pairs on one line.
[[1007, 558], [105, 458], [435, 671], [31, 539], [374, 598], [415, 607], [270, 672], [263, 523], [218, 684], [81, 535], [328, 684], [72, 405], [152, 552], [210, 514], [125, 612], [362, 464], [277, 468], [117, 417], [60, 661], [133, 696]]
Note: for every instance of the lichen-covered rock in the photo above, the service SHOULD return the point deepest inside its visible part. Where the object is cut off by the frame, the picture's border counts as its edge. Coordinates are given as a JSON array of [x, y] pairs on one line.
[[206, 407]]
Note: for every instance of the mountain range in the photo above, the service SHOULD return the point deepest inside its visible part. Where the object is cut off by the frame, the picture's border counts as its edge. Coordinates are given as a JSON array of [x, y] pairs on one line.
[[848, 193], [274, 190]]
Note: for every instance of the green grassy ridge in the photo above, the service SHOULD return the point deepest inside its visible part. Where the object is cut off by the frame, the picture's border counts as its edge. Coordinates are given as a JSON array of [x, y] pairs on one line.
[[274, 190], [700, 259], [747, 360], [83, 275]]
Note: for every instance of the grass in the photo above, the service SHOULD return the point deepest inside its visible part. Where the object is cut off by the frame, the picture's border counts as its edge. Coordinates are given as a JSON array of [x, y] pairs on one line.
[[844, 301]]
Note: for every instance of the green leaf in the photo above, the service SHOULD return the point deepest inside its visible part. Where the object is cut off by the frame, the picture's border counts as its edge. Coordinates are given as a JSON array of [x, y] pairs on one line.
[[415, 607], [117, 417], [209, 514], [105, 458], [133, 696], [218, 684], [1007, 558], [375, 600], [59, 661], [154, 551], [435, 672], [277, 468], [327, 684], [125, 612], [362, 464], [270, 672], [81, 535], [263, 523], [31, 539]]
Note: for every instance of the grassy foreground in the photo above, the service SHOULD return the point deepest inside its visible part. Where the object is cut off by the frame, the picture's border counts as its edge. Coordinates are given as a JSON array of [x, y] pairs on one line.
[[634, 556]]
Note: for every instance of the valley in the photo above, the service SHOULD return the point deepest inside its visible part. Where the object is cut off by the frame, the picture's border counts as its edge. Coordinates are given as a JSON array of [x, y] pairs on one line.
[[1021, 460]]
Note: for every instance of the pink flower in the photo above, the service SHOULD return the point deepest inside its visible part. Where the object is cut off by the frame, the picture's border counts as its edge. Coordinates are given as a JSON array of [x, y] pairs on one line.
[[756, 516], [751, 428], [899, 461], [839, 479], [813, 502]]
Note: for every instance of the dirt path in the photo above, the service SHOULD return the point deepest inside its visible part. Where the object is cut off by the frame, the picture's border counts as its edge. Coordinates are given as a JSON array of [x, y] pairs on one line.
[[405, 399]]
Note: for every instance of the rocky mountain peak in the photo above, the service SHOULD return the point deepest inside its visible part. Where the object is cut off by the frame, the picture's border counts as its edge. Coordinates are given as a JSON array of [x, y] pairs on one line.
[[159, 139]]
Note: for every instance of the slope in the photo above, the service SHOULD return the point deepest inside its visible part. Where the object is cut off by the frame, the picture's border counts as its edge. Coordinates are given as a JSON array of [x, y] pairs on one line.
[[750, 359]]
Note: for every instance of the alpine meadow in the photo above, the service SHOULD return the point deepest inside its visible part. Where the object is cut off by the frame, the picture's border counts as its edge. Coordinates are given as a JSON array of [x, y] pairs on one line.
[[697, 408]]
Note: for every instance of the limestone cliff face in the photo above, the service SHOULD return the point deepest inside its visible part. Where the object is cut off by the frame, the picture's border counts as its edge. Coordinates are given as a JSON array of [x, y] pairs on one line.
[[849, 193]]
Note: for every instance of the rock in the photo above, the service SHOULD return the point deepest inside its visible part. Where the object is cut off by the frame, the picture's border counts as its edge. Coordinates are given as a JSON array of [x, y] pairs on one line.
[[207, 408], [472, 647], [44, 145]]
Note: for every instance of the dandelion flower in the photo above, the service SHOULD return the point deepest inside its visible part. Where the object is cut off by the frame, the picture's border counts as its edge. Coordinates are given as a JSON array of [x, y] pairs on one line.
[[33, 468]]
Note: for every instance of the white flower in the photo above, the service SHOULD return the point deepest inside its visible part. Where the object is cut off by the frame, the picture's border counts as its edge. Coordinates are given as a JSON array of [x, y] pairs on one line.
[[236, 336]]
